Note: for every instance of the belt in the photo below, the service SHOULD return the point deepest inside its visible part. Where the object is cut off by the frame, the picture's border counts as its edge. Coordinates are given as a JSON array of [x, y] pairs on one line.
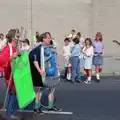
[[97, 53]]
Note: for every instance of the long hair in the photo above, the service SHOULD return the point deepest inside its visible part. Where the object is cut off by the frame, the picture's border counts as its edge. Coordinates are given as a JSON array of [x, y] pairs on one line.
[[99, 34], [76, 40], [90, 41]]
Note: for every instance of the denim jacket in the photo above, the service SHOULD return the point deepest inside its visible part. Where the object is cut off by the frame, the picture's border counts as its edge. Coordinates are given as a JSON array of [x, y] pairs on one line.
[[75, 50]]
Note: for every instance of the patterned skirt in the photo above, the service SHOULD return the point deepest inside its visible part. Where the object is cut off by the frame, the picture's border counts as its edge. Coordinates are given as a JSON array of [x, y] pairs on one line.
[[98, 60]]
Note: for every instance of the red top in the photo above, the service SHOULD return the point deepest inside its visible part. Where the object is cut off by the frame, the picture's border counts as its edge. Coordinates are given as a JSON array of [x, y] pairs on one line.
[[5, 62]]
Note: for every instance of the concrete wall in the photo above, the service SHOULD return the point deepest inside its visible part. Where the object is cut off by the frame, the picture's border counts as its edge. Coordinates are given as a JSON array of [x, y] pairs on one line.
[[106, 18], [60, 16]]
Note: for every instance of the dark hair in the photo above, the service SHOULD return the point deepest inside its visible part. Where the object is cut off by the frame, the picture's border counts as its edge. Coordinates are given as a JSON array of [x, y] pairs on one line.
[[76, 40], [51, 42], [38, 38], [26, 41], [1, 35], [37, 32], [79, 34], [67, 39], [73, 30], [99, 34], [12, 34], [90, 41]]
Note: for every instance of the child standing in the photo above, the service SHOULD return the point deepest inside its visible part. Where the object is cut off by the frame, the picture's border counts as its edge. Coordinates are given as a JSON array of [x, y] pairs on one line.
[[98, 54], [25, 45], [75, 61], [88, 56], [67, 55]]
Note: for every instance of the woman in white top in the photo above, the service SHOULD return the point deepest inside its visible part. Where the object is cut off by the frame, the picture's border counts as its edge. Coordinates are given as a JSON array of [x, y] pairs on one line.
[[67, 55], [88, 57]]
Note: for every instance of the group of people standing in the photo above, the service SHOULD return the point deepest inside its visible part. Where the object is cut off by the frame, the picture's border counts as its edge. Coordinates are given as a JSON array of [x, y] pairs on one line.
[[12, 50], [76, 49]]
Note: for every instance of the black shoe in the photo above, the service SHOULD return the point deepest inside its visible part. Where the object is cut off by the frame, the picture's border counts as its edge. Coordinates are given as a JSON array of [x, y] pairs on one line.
[[54, 109], [72, 82], [68, 80], [78, 81], [98, 81], [38, 111]]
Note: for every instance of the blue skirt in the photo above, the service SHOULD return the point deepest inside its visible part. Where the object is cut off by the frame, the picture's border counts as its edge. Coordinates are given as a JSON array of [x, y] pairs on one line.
[[98, 60]]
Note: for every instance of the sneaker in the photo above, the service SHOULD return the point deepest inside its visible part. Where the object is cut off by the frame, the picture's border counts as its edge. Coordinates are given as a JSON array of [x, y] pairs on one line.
[[78, 81], [38, 111], [86, 82], [89, 81], [68, 80], [55, 109], [15, 117], [72, 81], [98, 80]]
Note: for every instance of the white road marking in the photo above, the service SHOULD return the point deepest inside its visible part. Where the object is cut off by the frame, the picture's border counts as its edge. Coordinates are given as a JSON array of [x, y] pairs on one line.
[[47, 112]]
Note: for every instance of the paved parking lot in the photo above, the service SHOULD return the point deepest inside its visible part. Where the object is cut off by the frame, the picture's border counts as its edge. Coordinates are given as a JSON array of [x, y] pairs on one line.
[[87, 102]]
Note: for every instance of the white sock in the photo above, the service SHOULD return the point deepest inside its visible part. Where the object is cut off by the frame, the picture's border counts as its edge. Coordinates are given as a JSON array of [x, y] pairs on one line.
[[98, 76], [69, 76], [89, 78]]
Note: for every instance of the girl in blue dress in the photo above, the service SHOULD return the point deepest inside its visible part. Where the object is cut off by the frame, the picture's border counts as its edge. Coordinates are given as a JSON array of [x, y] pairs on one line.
[[88, 56]]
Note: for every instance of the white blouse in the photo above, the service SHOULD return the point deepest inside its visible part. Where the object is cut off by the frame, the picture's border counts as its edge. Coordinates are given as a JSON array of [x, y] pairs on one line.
[[88, 52], [66, 51]]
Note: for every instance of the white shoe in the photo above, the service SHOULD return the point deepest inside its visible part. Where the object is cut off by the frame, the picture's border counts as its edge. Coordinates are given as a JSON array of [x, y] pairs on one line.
[[86, 82]]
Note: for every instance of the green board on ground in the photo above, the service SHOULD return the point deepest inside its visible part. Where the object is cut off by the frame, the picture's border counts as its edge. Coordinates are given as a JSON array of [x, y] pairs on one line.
[[23, 80]]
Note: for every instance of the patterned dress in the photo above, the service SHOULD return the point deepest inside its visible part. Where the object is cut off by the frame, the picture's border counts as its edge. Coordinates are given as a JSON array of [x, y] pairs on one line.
[[88, 57]]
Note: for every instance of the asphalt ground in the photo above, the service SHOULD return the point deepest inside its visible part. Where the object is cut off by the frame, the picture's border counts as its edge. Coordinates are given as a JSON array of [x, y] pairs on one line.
[[96, 101]]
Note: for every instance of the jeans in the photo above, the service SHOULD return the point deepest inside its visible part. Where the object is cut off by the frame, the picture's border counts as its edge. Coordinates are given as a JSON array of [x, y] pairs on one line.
[[12, 105], [75, 68]]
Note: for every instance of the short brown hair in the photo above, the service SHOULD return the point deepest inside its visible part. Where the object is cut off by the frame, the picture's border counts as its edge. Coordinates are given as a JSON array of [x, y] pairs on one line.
[[90, 41], [76, 40], [44, 35], [67, 39], [73, 30], [38, 38], [79, 34], [12, 35]]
